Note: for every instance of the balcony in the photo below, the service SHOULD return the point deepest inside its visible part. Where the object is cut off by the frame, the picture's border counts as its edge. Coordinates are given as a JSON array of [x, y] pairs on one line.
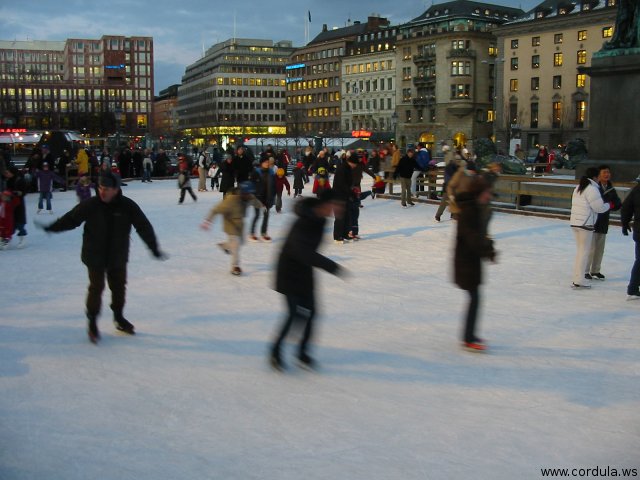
[[424, 57], [423, 80], [460, 106], [424, 101], [461, 52]]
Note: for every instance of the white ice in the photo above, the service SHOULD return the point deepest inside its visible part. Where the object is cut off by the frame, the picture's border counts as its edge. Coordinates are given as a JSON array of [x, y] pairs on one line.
[[191, 395]]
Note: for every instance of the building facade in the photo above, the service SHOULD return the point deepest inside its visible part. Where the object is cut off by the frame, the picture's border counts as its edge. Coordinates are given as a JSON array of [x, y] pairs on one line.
[[369, 86], [95, 86], [237, 89], [543, 99], [165, 115], [446, 59], [314, 75]]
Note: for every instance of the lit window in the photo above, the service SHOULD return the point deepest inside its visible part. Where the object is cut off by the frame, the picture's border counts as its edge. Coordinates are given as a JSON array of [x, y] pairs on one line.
[[557, 59], [607, 32], [582, 35], [582, 57], [581, 80], [581, 113], [513, 85]]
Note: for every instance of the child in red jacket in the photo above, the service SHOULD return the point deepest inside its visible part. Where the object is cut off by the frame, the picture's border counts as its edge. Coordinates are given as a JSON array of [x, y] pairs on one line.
[[8, 202], [281, 182], [321, 182]]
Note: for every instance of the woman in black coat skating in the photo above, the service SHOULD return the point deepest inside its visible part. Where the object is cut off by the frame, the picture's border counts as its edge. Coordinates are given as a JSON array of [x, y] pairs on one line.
[[472, 246], [294, 278]]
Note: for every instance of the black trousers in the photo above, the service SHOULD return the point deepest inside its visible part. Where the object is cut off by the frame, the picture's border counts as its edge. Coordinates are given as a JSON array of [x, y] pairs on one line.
[[301, 313], [117, 280], [183, 191], [342, 222], [472, 316], [265, 221]]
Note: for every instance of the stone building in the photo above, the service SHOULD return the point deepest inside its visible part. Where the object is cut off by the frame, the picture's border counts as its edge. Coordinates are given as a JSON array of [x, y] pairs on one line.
[[542, 98], [446, 59]]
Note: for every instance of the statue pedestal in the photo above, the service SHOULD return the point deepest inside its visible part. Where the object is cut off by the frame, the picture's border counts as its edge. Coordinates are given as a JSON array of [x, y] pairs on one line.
[[614, 113]]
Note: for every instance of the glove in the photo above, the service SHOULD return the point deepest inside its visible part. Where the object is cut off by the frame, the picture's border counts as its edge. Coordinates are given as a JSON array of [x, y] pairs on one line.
[[625, 230], [612, 205], [160, 255]]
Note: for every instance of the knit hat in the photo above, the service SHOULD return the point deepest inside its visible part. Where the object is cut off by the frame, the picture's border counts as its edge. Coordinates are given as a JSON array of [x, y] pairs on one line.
[[299, 165], [247, 187], [280, 172], [109, 179], [322, 171]]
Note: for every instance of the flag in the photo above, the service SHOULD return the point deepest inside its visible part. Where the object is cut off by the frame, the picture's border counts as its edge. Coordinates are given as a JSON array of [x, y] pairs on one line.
[[309, 12]]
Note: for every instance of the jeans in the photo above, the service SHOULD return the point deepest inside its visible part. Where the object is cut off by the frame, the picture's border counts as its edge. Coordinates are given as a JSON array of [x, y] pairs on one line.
[[44, 196], [265, 221], [146, 175], [634, 281], [301, 312]]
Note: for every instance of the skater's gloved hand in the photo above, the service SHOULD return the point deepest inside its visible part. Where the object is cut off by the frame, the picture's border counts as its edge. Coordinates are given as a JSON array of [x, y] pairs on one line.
[[160, 255], [205, 225], [612, 205], [625, 230]]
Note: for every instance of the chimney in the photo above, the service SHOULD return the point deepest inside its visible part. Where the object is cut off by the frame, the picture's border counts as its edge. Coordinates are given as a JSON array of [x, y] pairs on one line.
[[324, 27]]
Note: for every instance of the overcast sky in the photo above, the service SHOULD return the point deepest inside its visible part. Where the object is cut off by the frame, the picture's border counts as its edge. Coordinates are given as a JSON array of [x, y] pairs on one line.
[[180, 28]]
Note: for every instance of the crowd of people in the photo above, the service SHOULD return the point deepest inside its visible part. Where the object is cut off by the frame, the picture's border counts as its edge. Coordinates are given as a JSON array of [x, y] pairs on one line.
[[248, 181]]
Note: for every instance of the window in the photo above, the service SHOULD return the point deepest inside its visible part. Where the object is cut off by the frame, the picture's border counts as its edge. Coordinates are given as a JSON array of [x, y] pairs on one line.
[[557, 59], [535, 61], [582, 57], [581, 113], [513, 85], [557, 81], [535, 83], [514, 43], [460, 90], [607, 32], [557, 38], [582, 35], [493, 50], [581, 80], [534, 115], [514, 63], [459, 68], [557, 114], [535, 41]]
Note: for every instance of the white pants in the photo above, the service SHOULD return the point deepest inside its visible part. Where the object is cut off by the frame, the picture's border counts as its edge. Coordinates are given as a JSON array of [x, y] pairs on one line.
[[583, 246], [596, 253]]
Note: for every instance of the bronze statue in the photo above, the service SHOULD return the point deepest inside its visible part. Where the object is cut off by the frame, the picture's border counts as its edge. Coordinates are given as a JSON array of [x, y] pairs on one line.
[[627, 31]]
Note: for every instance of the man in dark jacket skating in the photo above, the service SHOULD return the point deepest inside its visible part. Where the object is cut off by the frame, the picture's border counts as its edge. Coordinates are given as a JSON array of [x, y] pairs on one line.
[[294, 277], [107, 219], [631, 211]]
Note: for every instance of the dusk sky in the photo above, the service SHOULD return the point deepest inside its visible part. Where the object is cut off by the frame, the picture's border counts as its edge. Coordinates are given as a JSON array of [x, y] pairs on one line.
[[181, 28]]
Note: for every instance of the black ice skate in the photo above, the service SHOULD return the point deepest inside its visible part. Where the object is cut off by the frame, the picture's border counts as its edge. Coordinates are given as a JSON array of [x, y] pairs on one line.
[[92, 329], [123, 325], [306, 362]]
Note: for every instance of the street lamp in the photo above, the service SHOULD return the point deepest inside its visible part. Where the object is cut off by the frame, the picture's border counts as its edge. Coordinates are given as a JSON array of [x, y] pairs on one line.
[[118, 115], [394, 125]]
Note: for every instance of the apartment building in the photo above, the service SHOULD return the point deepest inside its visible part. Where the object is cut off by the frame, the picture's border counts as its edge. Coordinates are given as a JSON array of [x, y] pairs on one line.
[[81, 84], [542, 97]]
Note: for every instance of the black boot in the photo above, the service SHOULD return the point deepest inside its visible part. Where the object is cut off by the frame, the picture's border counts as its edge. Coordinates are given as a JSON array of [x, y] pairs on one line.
[[123, 325], [306, 362], [275, 360], [92, 330]]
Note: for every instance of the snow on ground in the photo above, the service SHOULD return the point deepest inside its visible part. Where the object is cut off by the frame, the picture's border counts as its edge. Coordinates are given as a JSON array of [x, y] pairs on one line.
[[191, 395]]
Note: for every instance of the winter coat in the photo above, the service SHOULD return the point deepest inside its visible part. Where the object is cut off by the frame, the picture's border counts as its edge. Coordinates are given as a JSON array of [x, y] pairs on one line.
[[298, 178], [19, 187], [107, 230], [320, 184], [242, 167], [458, 186], [82, 159], [233, 208], [472, 242], [147, 164], [45, 179], [282, 182], [84, 191], [631, 210], [358, 171], [227, 176], [265, 182], [343, 181], [405, 167], [586, 206], [609, 194], [294, 273], [7, 217]]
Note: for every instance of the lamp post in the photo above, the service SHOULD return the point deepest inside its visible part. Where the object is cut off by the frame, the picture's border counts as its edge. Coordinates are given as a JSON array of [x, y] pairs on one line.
[[394, 125], [118, 115]]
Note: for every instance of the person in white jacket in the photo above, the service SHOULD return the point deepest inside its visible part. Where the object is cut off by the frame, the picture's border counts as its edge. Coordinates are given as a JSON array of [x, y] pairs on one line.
[[586, 204]]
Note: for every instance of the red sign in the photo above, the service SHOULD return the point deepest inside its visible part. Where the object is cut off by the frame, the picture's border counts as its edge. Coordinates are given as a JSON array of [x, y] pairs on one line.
[[13, 130], [360, 133]]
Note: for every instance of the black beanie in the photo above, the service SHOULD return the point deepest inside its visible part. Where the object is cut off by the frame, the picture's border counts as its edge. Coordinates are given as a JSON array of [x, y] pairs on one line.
[[109, 179]]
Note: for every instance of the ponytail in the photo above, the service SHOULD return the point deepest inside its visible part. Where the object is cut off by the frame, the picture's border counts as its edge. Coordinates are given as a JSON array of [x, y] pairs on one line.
[[591, 173]]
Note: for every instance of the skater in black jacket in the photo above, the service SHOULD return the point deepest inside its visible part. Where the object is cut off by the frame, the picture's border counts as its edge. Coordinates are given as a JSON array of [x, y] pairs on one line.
[[294, 277], [107, 219]]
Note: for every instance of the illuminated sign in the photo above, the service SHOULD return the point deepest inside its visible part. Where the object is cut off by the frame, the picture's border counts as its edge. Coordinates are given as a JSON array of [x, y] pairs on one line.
[[13, 130], [112, 67], [360, 133], [297, 65], [296, 79]]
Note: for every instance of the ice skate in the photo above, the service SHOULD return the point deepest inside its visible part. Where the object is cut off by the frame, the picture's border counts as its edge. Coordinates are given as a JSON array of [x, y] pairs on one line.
[[476, 346], [306, 362], [92, 330], [266, 238], [597, 276], [123, 325], [577, 286], [276, 362], [22, 242], [236, 271]]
